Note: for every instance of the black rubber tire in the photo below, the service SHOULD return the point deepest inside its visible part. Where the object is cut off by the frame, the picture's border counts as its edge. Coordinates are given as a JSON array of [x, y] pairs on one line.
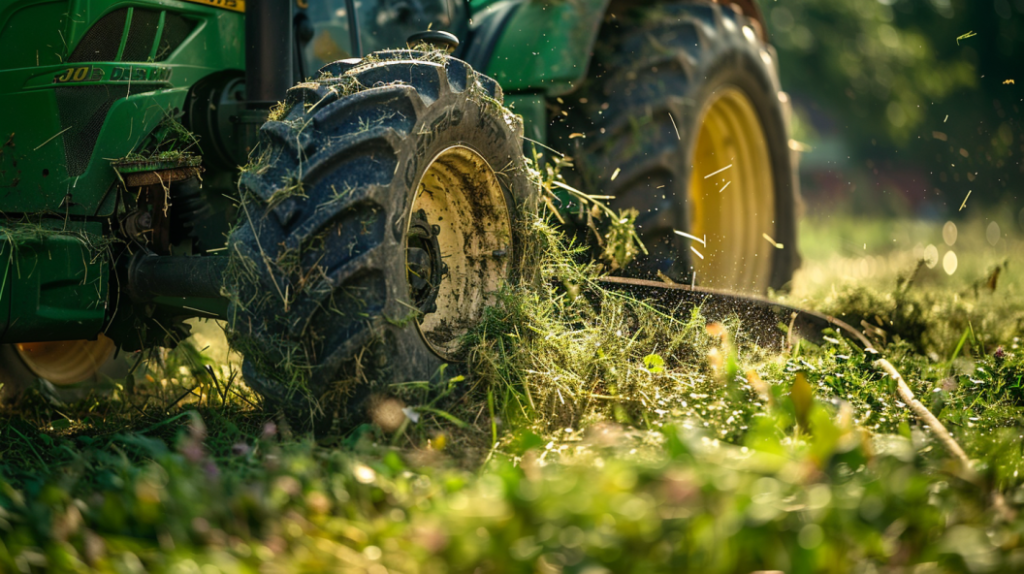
[[365, 133], [650, 62]]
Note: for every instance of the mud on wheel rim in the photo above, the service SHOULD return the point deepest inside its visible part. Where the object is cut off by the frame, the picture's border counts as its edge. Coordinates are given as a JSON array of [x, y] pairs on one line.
[[455, 270]]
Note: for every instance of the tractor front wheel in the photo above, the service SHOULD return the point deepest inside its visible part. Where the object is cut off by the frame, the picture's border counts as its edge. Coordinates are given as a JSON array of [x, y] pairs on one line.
[[376, 224]]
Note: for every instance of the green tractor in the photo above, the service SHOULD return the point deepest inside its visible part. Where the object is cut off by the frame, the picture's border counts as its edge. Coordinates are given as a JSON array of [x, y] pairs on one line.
[[378, 207]]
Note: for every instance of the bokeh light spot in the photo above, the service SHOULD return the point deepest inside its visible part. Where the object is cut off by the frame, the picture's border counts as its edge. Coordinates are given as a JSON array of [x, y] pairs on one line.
[[949, 233], [783, 19], [931, 256], [897, 116], [949, 263], [811, 536], [992, 233], [889, 36]]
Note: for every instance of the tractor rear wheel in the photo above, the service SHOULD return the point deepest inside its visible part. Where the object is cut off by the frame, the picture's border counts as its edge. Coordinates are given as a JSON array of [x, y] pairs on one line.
[[376, 225], [64, 371], [684, 121]]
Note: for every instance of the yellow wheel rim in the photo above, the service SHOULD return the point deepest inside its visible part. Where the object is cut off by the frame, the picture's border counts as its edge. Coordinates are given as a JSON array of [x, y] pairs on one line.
[[66, 362], [459, 244], [732, 196]]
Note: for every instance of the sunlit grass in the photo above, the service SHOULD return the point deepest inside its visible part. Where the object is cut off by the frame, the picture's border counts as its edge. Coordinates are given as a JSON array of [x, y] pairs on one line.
[[568, 447]]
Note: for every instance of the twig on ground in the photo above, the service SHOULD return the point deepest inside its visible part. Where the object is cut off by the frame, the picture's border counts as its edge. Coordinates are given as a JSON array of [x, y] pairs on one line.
[[940, 432], [922, 412]]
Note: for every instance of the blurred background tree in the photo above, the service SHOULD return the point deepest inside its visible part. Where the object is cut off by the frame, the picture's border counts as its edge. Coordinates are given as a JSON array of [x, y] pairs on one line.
[[902, 117]]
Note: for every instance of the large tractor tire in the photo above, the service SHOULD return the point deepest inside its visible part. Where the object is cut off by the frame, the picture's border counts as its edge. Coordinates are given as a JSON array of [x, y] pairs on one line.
[[375, 227], [684, 120], [63, 371]]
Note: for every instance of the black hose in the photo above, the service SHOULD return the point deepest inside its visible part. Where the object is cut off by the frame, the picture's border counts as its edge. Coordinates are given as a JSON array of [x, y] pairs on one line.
[[151, 276], [353, 29], [269, 51]]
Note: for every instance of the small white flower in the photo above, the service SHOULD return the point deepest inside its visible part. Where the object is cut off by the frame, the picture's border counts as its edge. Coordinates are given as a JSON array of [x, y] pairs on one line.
[[412, 414]]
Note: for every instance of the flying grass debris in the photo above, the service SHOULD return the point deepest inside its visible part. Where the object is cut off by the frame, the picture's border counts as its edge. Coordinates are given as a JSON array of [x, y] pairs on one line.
[[616, 173], [533, 141], [965, 200], [718, 172], [53, 137], [694, 249], [725, 186], [703, 242], [970, 34], [769, 239], [675, 127]]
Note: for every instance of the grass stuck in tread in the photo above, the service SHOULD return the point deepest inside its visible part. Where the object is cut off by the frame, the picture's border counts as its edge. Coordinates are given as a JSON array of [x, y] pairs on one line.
[[594, 434]]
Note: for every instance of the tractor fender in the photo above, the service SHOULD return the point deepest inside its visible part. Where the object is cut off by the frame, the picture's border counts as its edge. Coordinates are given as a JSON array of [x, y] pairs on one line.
[[536, 45], [545, 45]]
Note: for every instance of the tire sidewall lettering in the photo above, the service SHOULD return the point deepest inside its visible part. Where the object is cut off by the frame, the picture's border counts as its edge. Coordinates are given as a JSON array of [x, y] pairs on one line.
[[426, 136]]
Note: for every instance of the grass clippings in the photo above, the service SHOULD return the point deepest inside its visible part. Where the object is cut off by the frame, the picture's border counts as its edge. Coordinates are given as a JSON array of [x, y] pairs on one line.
[[964, 37]]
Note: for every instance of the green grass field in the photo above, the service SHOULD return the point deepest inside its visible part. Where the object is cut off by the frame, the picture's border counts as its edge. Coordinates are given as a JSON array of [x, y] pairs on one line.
[[610, 438]]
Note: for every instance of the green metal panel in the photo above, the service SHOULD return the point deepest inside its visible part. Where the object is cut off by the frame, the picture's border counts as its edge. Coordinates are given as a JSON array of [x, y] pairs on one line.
[[477, 5], [37, 180], [43, 22], [57, 281], [39, 97], [534, 113], [546, 45]]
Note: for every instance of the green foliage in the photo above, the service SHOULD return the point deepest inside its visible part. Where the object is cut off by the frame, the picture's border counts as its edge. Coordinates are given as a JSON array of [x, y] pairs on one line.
[[864, 58], [912, 111], [636, 501]]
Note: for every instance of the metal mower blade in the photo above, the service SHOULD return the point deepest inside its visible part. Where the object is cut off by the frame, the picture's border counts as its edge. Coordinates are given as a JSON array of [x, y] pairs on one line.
[[761, 315]]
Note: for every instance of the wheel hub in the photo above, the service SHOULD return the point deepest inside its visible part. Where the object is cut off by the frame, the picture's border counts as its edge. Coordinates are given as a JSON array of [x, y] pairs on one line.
[[425, 268]]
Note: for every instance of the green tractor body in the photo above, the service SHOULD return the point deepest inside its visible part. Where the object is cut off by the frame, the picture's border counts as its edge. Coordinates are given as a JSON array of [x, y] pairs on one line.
[[85, 83]]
